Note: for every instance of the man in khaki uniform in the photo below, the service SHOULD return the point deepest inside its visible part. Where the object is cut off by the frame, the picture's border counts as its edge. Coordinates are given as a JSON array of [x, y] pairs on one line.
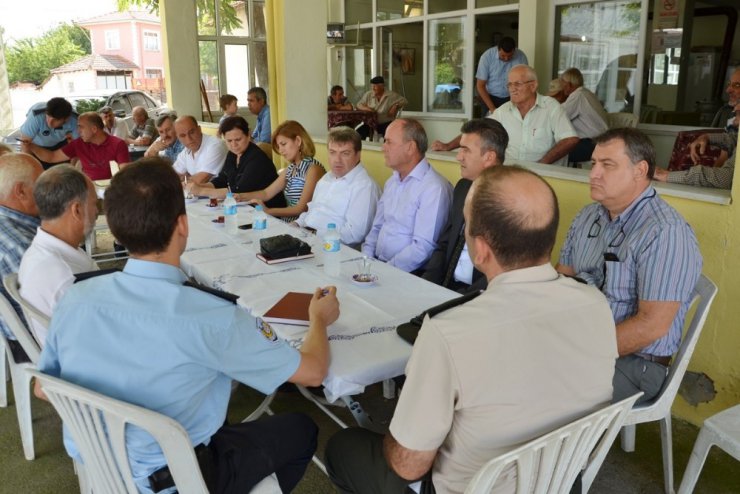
[[533, 352]]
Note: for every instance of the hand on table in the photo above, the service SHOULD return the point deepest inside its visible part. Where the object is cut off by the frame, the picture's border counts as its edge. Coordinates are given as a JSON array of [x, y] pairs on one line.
[[324, 307], [256, 202]]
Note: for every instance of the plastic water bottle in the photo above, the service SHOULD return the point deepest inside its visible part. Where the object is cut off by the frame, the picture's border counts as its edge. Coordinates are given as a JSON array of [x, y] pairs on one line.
[[230, 220], [259, 221], [331, 251]]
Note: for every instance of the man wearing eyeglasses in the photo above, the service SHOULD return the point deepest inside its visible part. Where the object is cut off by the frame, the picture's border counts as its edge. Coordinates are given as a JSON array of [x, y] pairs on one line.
[[640, 253], [539, 129], [707, 176]]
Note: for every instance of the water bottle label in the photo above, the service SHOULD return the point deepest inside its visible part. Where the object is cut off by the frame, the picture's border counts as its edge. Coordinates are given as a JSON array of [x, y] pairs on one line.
[[259, 224], [331, 245], [230, 210]]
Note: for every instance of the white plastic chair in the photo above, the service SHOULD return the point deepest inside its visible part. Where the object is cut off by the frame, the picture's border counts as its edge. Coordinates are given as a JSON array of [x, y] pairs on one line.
[[19, 373], [551, 463], [26, 337], [721, 430], [660, 407], [97, 424], [617, 120]]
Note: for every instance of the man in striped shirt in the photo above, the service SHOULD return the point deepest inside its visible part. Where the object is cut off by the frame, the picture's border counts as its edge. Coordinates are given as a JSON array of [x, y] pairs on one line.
[[640, 253]]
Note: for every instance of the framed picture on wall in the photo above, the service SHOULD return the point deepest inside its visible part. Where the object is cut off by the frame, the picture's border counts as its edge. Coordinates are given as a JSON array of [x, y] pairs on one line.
[[406, 58]]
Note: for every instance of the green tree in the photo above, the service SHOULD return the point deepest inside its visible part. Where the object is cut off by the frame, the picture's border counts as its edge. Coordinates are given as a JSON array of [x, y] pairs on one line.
[[226, 11], [31, 59]]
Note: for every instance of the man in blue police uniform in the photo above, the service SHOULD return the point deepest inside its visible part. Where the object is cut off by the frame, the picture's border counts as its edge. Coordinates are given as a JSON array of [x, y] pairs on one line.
[[177, 352], [51, 125]]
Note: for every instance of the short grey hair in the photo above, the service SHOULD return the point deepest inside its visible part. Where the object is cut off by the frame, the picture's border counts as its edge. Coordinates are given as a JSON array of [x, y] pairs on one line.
[[531, 74], [414, 131], [15, 168], [163, 117], [57, 188]]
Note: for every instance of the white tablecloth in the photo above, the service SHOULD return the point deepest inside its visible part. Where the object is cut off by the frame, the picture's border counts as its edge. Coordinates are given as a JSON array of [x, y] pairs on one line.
[[365, 348]]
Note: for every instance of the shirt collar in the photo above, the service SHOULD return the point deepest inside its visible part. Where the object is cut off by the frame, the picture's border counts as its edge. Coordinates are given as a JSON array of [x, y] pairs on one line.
[[543, 272], [46, 239], [350, 176], [152, 269], [639, 202], [418, 172]]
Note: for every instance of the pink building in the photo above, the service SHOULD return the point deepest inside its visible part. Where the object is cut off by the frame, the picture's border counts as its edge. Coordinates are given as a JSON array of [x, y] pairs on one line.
[[132, 35]]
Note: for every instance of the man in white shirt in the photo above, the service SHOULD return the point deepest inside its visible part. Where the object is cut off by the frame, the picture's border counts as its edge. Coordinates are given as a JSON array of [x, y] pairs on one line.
[[203, 156], [113, 125], [585, 113], [416, 199], [346, 196], [67, 205], [539, 130]]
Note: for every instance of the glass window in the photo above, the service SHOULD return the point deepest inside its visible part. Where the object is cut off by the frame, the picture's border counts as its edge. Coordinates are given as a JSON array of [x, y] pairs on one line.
[[259, 55], [209, 72], [154, 74], [137, 99], [151, 40], [358, 11], [399, 9], [601, 40], [436, 6], [402, 62], [359, 64], [238, 57], [112, 40], [205, 14], [493, 3], [258, 18], [446, 65], [234, 18]]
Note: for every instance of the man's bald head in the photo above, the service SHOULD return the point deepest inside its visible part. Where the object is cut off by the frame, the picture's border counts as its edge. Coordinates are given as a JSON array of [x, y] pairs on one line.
[[516, 213], [18, 174]]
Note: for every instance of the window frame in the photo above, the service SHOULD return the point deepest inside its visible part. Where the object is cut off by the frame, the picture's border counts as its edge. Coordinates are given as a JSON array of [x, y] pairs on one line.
[[469, 16], [156, 35], [222, 40], [112, 35]]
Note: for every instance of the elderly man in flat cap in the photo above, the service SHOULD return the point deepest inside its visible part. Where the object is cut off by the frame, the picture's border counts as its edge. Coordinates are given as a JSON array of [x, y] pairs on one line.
[[386, 104]]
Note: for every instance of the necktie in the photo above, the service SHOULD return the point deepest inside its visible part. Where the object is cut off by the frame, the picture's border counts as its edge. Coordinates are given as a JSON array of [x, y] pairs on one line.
[[459, 245]]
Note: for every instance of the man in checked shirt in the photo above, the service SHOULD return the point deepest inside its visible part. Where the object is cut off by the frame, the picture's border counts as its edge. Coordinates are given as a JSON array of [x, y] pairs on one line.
[[640, 253]]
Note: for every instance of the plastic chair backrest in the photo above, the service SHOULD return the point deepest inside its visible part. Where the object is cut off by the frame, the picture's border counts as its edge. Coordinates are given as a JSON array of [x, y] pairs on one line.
[[97, 424], [704, 293], [25, 337], [551, 463], [17, 326], [622, 119]]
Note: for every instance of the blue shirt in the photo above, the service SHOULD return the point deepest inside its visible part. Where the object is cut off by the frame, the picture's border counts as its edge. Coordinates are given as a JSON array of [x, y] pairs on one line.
[[173, 151], [175, 353], [658, 259], [410, 215], [262, 128], [16, 234], [36, 127], [495, 71]]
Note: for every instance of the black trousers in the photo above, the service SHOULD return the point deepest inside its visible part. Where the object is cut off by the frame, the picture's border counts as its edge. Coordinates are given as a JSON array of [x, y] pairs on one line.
[[244, 454], [582, 152], [496, 101], [56, 146], [355, 463], [364, 130]]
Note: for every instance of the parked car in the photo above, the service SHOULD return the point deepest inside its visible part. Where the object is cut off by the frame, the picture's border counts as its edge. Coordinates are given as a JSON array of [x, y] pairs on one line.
[[122, 103]]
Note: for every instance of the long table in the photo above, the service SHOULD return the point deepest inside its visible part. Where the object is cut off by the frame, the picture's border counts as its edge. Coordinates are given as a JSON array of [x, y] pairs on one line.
[[365, 348]]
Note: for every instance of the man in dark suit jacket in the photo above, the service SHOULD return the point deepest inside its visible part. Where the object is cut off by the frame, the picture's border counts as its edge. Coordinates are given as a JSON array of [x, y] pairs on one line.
[[482, 145]]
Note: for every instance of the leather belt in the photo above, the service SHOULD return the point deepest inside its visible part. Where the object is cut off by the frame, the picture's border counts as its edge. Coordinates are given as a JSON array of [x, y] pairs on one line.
[[665, 360], [162, 478]]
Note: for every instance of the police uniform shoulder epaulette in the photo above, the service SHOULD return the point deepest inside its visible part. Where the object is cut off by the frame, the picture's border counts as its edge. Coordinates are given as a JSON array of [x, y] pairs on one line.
[[230, 297], [410, 330], [39, 111], [94, 274]]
